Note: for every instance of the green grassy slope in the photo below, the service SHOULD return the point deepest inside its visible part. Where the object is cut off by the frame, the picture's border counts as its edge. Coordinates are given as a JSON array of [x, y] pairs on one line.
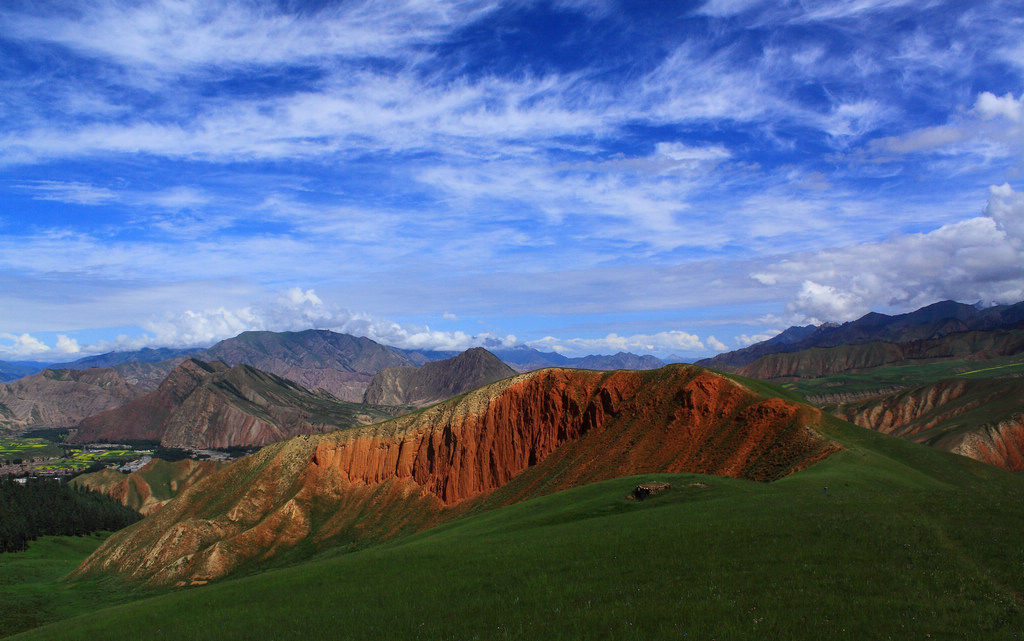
[[907, 376], [32, 592], [906, 542]]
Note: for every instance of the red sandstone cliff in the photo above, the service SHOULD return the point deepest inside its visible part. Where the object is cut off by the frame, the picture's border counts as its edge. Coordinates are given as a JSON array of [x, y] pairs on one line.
[[532, 434], [980, 418]]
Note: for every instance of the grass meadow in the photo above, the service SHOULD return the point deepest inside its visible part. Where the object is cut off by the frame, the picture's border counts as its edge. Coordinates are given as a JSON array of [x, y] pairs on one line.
[[885, 540]]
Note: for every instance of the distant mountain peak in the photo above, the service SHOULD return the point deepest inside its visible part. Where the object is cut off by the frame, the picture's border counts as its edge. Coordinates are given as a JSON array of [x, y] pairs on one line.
[[437, 380], [929, 322]]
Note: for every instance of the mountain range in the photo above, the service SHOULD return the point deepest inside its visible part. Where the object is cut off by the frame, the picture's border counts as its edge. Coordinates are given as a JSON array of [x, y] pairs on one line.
[[928, 323], [61, 398], [947, 375], [211, 405], [584, 503], [525, 436]]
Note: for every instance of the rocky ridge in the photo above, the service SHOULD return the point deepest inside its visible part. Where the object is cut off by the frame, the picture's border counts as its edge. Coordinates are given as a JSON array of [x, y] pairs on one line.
[[437, 380], [979, 418], [819, 362], [149, 488], [530, 434], [61, 397], [211, 405]]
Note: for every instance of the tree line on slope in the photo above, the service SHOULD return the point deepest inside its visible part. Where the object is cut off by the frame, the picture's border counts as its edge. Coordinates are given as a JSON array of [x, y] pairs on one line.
[[43, 507]]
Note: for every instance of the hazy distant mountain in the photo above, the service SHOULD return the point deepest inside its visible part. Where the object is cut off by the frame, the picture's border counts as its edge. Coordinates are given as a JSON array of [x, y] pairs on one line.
[[144, 355], [14, 371], [61, 397], [927, 323], [437, 380], [525, 359], [622, 360], [339, 363], [209, 405]]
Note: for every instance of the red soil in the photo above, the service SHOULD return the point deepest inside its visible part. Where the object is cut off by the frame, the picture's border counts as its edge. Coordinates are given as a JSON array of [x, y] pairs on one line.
[[537, 433]]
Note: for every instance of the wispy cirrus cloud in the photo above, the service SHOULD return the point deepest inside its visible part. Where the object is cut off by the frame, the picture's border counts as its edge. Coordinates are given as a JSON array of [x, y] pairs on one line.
[[501, 160]]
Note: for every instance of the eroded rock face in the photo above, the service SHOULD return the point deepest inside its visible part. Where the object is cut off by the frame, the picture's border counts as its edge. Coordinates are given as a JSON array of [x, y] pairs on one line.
[[62, 397], [907, 412], [149, 488], [1001, 444], [416, 470], [979, 418]]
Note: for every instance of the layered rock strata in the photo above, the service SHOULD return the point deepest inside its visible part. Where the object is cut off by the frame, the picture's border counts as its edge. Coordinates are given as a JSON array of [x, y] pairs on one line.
[[532, 434]]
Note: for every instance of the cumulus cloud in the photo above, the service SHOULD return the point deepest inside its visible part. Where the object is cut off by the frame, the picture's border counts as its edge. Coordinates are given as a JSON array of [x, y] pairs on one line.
[[661, 343], [980, 258], [992, 128], [991, 106], [67, 345], [745, 340], [21, 346], [826, 302], [716, 344]]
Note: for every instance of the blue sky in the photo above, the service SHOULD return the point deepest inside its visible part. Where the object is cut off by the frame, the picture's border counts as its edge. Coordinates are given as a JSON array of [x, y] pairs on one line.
[[581, 176]]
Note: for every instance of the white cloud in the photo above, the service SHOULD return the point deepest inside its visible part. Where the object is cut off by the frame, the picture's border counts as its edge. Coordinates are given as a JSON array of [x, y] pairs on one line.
[[67, 345], [745, 340], [992, 129], [173, 36], [991, 106], [70, 192], [979, 258], [661, 343], [726, 8], [716, 344], [682, 152], [824, 302], [21, 346]]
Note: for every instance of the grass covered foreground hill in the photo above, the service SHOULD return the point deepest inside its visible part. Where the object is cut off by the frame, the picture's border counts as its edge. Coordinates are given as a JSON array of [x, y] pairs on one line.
[[882, 540]]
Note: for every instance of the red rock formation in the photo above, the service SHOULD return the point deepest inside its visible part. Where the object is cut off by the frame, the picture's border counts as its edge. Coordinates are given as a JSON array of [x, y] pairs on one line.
[[149, 488], [1001, 444], [975, 417], [535, 433]]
